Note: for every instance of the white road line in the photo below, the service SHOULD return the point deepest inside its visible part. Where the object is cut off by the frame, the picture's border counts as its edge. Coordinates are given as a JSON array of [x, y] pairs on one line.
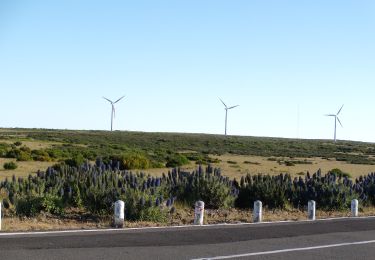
[[287, 250], [174, 227]]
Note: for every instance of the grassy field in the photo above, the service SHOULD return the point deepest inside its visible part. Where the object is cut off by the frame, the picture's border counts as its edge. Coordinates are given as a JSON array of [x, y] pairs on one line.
[[23, 169], [235, 155], [240, 165]]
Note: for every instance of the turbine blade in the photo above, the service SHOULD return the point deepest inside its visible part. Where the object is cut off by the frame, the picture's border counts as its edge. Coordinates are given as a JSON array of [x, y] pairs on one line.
[[118, 99], [330, 115], [108, 99], [223, 103], [233, 107], [340, 109], [339, 121], [114, 111]]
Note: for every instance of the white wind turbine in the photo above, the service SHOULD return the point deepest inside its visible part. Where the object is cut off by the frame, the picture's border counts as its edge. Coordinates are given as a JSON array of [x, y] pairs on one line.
[[226, 113], [113, 112], [336, 119]]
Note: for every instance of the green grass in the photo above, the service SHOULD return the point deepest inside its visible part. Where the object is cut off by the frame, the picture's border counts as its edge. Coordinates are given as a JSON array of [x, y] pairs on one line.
[[158, 147]]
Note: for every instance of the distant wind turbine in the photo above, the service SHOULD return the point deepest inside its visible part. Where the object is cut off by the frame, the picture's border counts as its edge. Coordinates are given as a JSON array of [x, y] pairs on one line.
[[336, 119], [226, 113], [113, 108]]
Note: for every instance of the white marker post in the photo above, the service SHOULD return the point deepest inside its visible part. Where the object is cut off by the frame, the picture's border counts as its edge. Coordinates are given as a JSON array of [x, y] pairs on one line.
[[257, 214], [354, 208], [311, 210], [198, 213], [119, 213]]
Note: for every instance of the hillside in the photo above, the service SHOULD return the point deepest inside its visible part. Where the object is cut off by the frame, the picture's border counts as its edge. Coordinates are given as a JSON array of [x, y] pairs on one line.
[[239, 154]]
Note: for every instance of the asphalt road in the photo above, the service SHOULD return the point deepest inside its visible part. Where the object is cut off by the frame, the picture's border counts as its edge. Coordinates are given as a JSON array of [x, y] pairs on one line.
[[352, 238]]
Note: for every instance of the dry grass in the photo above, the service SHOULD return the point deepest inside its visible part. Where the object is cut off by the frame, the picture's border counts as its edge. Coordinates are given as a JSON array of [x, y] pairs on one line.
[[33, 145], [254, 165], [257, 164], [23, 169], [263, 165], [183, 216]]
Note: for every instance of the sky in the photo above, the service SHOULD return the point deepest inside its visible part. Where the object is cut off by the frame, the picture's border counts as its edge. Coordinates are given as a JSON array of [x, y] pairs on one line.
[[285, 63]]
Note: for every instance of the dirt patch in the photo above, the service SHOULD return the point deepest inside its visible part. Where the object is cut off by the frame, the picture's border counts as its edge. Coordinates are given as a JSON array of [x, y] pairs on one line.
[[182, 216]]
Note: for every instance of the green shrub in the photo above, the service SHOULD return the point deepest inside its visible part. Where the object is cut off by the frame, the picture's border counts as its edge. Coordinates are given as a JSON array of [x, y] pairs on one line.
[[250, 162], [231, 162], [133, 160], [176, 160], [6, 203], [76, 161], [29, 206], [41, 156], [215, 192], [289, 163], [340, 173], [154, 214], [52, 204], [10, 166], [32, 205]]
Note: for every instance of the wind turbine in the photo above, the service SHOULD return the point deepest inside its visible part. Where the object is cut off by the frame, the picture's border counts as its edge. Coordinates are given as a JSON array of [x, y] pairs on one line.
[[226, 113], [336, 119], [113, 108]]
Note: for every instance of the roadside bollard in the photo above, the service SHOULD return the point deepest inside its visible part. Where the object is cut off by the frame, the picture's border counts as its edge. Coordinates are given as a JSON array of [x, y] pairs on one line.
[[311, 210], [119, 214], [354, 208], [257, 214], [198, 213]]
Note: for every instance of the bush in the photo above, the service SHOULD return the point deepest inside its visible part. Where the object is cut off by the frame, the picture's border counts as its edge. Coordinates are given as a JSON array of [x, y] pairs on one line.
[[32, 205], [10, 166], [214, 190], [154, 214], [176, 160], [339, 173], [52, 204], [289, 163], [41, 156], [133, 160], [266, 188], [21, 154], [28, 206], [231, 162], [76, 161]]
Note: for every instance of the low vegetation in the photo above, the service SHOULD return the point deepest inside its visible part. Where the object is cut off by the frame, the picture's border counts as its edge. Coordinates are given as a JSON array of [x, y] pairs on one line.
[[94, 188], [10, 166], [92, 169], [167, 149]]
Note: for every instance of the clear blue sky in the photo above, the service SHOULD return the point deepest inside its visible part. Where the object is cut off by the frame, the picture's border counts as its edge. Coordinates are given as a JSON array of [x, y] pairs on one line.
[[286, 63]]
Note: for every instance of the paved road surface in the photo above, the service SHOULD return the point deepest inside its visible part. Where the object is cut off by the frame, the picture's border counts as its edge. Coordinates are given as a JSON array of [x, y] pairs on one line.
[[352, 238]]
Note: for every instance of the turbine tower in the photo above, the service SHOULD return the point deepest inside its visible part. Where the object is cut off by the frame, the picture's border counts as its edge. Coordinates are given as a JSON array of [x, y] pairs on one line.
[[226, 113], [336, 119], [113, 108]]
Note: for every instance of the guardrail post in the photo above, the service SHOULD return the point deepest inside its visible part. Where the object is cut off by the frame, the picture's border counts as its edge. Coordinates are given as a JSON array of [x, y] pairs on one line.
[[257, 214], [119, 213], [354, 208], [198, 213], [311, 210]]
